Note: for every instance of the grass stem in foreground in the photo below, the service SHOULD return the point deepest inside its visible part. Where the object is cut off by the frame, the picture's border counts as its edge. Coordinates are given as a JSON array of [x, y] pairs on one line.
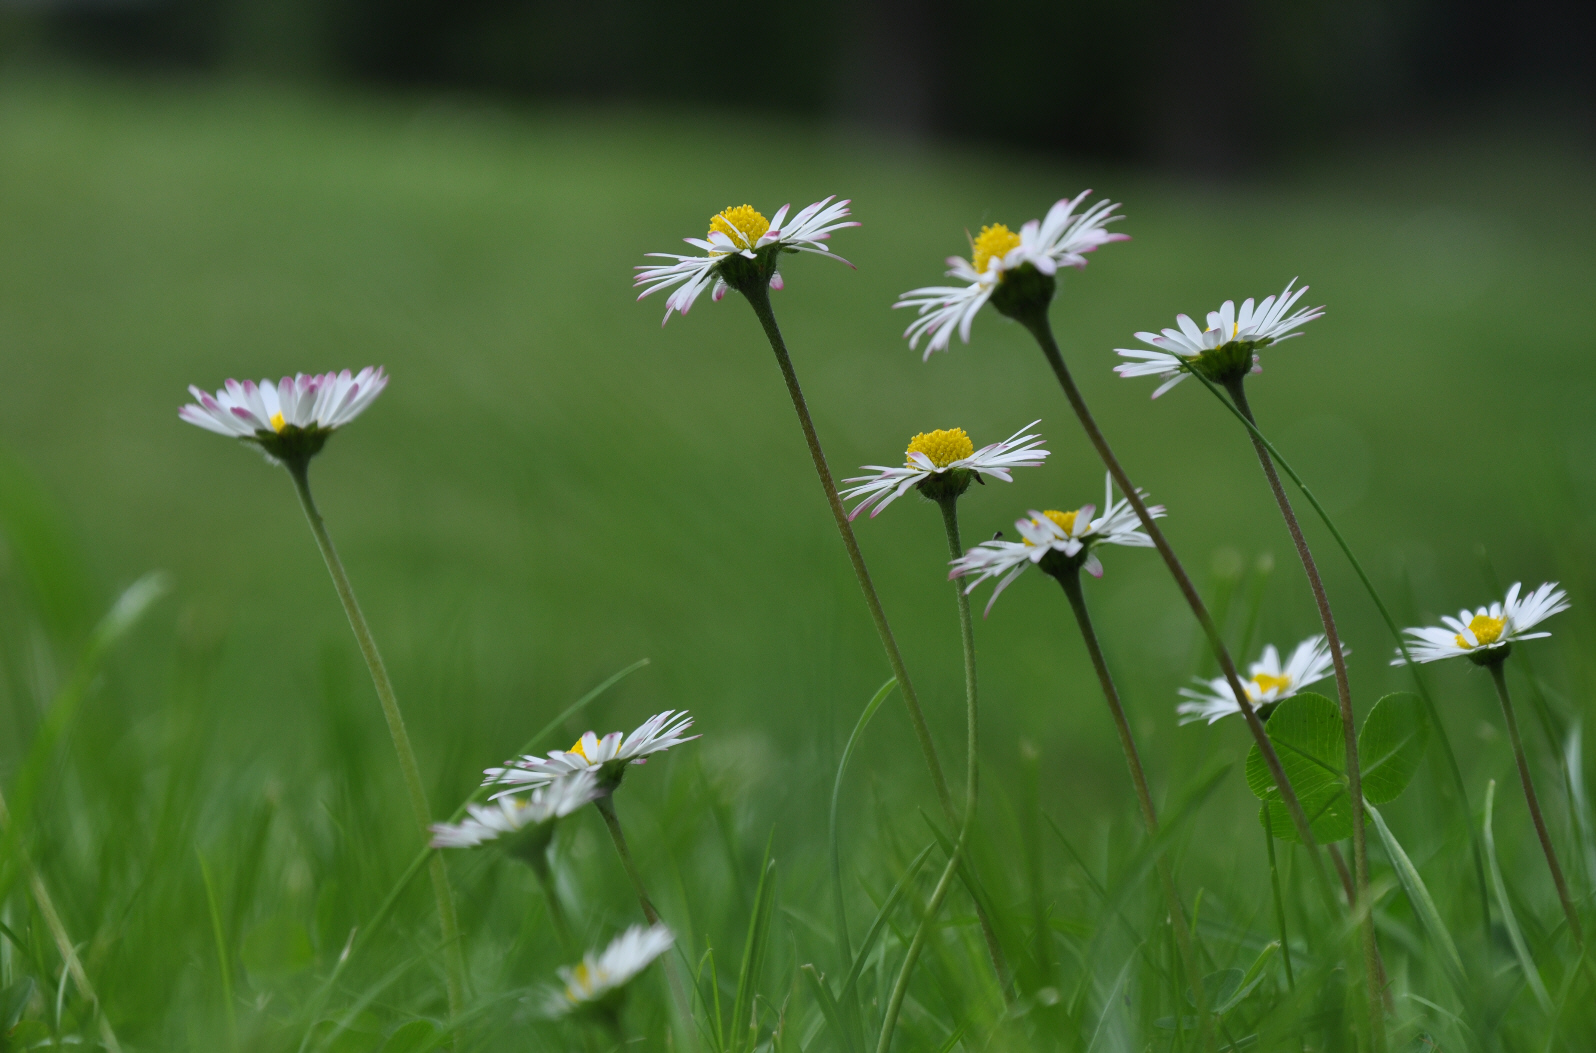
[[1039, 326], [1349, 730], [1500, 680], [759, 298], [606, 808], [562, 927], [1280, 903], [1177, 914], [950, 522], [448, 923]]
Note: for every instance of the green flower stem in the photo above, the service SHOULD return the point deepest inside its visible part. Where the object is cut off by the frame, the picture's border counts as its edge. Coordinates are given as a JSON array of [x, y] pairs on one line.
[[950, 521], [63, 942], [1500, 680], [1396, 634], [606, 807], [758, 294], [1177, 915], [1280, 903], [562, 927], [448, 923], [1360, 847], [1039, 326]]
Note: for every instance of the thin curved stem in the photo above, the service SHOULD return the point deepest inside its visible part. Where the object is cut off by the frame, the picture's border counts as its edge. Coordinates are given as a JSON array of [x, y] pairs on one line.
[[950, 522], [606, 808], [1349, 733], [557, 918], [1396, 634], [759, 298], [1530, 798], [1280, 903], [1042, 330], [443, 894], [1071, 582]]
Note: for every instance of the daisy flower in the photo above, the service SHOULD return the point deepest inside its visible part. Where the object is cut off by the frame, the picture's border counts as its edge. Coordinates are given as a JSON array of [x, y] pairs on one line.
[[944, 461], [1060, 239], [1486, 635], [527, 822], [1226, 350], [606, 757], [289, 420], [742, 245], [1267, 682], [1058, 542], [599, 978]]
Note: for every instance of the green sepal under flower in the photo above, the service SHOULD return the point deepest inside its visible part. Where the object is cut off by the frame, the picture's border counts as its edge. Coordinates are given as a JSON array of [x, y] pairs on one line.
[[1024, 293]]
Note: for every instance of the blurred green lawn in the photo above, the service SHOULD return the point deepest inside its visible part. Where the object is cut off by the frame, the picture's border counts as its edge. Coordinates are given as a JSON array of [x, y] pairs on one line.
[[554, 486]]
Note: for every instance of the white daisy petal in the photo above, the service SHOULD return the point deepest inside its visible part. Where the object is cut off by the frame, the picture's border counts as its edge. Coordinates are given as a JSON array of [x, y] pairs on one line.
[[606, 757], [601, 974]]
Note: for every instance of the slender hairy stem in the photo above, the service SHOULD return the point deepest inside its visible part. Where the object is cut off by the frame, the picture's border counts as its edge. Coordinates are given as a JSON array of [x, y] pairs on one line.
[[453, 958], [1498, 678], [606, 807], [759, 298], [63, 942], [1042, 330], [1396, 634], [562, 927], [1349, 733], [950, 521], [1280, 903], [1144, 797]]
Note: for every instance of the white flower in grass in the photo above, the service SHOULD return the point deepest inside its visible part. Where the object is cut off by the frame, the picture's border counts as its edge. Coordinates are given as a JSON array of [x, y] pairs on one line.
[[599, 979], [1486, 635], [525, 823], [606, 757], [1057, 542], [1267, 682], [290, 420], [1227, 349], [942, 462], [742, 246], [1060, 239]]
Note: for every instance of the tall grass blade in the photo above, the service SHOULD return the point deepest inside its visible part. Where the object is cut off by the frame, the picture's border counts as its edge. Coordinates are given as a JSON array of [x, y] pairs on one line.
[[744, 1020], [870, 708], [1532, 975], [829, 1009], [223, 957], [1423, 904]]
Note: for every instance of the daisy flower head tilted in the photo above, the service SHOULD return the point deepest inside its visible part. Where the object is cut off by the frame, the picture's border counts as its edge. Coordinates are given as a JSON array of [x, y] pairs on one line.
[[942, 464], [597, 983], [291, 420], [1486, 635], [742, 250], [525, 825], [1059, 543], [1013, 270], [1267, 683], [605, 757], [1227, 350]]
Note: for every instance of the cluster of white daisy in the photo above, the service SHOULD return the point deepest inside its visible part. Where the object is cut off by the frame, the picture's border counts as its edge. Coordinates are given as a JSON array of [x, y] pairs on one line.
[[291, 420]]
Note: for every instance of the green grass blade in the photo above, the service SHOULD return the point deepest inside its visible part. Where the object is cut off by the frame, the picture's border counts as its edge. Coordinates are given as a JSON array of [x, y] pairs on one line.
[[1532, 975], [223, 958], [893, 899], [744, 1036], [829, 1009], [1423, 904], [843, 947]]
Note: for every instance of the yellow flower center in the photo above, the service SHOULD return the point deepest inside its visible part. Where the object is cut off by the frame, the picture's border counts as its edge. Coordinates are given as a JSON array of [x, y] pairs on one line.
[[1486, 630], [1265, 681], [1065, 520], [277, 422], [743, 224], [583, 980], [580, 752], [943, 447], [994, 240]]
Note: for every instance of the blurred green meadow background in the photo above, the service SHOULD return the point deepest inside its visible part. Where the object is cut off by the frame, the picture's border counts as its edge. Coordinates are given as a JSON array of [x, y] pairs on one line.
[[553, 487]]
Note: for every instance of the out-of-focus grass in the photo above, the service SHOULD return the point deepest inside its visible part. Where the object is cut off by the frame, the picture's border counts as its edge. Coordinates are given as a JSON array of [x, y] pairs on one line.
[[553, 487]]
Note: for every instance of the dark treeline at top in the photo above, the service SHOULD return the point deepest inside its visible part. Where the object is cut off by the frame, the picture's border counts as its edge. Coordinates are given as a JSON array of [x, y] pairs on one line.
[[1194, 83]]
